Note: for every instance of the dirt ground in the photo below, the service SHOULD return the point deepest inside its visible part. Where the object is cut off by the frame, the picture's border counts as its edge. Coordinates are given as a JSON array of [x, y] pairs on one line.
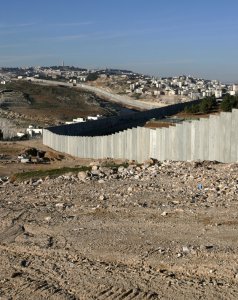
[[11, 165], [153, 236]]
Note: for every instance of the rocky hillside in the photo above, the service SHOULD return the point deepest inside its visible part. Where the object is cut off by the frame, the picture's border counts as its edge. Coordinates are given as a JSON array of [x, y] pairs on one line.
[[9, 98], [56, 103]]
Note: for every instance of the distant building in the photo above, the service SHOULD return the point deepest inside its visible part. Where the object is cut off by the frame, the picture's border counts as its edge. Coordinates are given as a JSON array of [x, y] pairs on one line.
[[218, 93], [156, 93], [235, 88], [79, 120], [93, 118], [82, 78], [31, 131]]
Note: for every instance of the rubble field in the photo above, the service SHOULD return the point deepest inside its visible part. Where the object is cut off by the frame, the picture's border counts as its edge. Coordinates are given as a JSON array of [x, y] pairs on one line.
[[152, 231]]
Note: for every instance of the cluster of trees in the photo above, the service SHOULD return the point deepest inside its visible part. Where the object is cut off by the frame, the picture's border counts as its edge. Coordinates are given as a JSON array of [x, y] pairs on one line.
[[209, 103], [205, 106], [229, 102], [92, 77]]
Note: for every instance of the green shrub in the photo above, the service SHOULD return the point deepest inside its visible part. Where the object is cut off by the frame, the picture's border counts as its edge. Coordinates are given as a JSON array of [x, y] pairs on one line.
[[229, 102], [193, 109], [206, 105], [92, 77]]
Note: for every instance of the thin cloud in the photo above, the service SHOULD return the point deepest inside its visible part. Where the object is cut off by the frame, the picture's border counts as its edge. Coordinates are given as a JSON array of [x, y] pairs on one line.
[[12, 46], [107, 35], [7, 26], [103, 35], [88, 36], [64, 38], [74, 24], [15, 28], [70, 37]]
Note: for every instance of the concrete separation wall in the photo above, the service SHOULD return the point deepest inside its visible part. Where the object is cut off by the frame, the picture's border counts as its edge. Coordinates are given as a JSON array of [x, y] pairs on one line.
[[215, 138], [118, 123]]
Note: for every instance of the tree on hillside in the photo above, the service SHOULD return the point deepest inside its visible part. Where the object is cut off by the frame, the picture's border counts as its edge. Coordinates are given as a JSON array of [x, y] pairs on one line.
[[192, 109], [206, 105], [229, 102], [226, 105], [92, 77]]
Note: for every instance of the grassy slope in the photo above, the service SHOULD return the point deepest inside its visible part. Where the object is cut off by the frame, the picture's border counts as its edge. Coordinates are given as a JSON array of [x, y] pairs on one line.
[[55, 101]]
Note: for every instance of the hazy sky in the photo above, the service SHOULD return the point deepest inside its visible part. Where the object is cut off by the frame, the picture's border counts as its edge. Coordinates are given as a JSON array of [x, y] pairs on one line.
[[153, 37]]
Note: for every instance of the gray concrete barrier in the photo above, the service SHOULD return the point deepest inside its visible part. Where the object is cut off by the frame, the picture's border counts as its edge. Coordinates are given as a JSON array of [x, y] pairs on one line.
[[215, 138]]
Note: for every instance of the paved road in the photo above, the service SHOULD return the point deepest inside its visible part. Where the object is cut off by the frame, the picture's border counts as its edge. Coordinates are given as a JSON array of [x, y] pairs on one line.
[[123, 100]]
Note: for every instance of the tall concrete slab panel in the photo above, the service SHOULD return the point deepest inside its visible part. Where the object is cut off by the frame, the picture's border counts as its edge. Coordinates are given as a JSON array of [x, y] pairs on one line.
[[234, 136], [179, 142], [139, 152], [152, 147], [193, 140], [204, 139], [159, 145], [212, 141], [186, 141], [225, 136], [129, 144], [173, 142], [134, 143], [147, 142], [162, 143], [166, 140]]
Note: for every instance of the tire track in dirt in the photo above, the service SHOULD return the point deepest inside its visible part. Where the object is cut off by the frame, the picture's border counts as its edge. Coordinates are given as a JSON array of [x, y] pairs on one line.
[[114, 292], [29, 284], [40, 273], [39, 279]]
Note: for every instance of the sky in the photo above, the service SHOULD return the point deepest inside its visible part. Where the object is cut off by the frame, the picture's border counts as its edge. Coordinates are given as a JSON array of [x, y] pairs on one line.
[[154, 37]]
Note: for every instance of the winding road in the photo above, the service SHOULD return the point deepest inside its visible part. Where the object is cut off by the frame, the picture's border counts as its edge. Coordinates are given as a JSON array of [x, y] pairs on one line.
[[123, 100]]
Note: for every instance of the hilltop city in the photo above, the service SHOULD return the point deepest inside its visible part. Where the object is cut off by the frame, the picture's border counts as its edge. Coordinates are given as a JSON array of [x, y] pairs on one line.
[[164, 89]]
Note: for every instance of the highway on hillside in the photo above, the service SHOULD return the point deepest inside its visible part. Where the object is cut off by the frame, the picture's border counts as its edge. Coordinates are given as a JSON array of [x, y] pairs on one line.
[[123, 100]]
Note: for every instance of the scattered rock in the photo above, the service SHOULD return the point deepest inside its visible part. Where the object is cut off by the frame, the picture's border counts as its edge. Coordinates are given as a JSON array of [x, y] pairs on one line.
[[102, 197], [94, 168], [185, 249], [82, 176]]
